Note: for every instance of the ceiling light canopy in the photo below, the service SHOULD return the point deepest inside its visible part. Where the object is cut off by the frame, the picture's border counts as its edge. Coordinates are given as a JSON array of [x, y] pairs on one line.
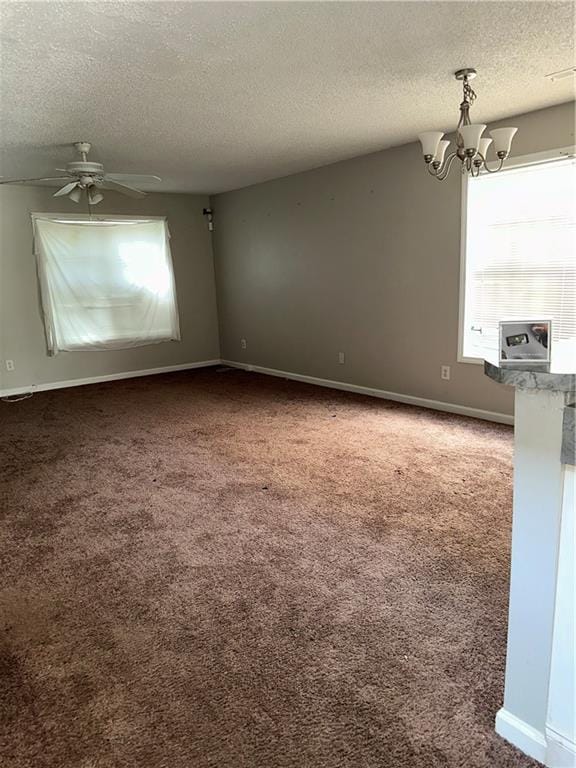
[[471, 146]]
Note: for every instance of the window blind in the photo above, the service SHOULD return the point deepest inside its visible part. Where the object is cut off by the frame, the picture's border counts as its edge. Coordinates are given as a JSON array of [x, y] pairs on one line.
[[520, 256], [105, 284]]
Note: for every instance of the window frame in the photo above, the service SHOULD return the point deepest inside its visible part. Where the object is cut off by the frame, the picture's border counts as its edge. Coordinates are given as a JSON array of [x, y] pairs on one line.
[[535, 158], [90, 217]]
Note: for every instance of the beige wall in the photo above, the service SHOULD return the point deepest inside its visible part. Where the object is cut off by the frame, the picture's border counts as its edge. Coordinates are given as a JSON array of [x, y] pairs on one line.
[[21, 328], [362, 257]]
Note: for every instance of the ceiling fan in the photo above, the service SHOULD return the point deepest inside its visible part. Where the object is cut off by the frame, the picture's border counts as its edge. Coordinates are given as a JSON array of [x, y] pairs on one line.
[[84, 174]]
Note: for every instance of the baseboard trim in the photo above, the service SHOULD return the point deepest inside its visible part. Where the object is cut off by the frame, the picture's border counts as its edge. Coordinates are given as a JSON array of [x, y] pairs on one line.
[[106, 377], [437, 405], [422, 402], [560, 751], [521, 735], [552, 749]]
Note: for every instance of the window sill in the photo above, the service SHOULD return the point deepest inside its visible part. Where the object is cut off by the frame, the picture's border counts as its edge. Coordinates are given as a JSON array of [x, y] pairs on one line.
[[472, 360]]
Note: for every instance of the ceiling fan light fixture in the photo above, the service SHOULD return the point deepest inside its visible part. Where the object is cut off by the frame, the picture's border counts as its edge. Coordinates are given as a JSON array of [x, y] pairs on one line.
[[76, 194], [95, 197], [85, 174]]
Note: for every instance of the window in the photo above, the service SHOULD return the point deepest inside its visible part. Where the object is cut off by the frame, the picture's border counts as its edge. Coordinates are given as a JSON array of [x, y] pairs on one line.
[[519, 258], [105, 283]]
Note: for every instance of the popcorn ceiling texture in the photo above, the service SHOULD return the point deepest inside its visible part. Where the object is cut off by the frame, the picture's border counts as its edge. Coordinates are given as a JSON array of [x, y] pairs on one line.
[[215, 96], [224, 570]]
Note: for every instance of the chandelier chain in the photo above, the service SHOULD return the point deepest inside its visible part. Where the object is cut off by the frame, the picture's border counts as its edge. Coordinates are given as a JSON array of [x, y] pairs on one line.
[[469, 93]]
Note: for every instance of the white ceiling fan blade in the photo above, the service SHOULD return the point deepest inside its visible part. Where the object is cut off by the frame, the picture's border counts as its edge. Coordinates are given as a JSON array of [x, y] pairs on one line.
[[133, 178], [67, 188], [123, 188], [27, 181]]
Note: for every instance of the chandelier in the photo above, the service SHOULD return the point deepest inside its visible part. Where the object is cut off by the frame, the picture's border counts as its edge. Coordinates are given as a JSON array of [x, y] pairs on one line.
[[471, 148]]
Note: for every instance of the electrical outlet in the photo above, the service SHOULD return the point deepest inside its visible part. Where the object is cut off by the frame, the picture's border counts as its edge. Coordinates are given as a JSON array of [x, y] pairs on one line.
[[341, 358], [243, 343], [445, 372], [9, 365]]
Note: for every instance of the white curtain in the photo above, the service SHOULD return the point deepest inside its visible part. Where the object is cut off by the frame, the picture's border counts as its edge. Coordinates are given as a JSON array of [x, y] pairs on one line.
[[105, 283]]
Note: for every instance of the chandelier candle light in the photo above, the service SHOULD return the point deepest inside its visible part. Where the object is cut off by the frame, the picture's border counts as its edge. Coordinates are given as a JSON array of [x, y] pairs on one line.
[[471, 148]]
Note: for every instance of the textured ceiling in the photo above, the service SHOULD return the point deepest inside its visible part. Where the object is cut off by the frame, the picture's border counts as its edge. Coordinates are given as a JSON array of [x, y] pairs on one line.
[[216, 95]]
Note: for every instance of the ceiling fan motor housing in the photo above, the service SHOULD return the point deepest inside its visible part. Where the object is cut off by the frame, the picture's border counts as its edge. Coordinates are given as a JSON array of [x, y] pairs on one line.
[[84, 167]]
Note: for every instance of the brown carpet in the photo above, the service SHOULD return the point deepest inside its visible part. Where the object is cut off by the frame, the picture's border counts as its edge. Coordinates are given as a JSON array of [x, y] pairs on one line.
[[218, 569]]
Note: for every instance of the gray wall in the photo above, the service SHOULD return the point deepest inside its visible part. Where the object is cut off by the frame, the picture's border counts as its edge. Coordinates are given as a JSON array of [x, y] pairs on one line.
[[21, 328], [362, 257]]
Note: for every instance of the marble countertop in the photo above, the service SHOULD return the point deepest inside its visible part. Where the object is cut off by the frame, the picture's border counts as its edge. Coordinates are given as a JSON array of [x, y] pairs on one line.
[[526, 376]]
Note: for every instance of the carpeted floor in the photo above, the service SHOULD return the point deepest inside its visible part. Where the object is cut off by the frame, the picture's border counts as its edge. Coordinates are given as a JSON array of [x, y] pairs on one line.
[[223, 570]]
